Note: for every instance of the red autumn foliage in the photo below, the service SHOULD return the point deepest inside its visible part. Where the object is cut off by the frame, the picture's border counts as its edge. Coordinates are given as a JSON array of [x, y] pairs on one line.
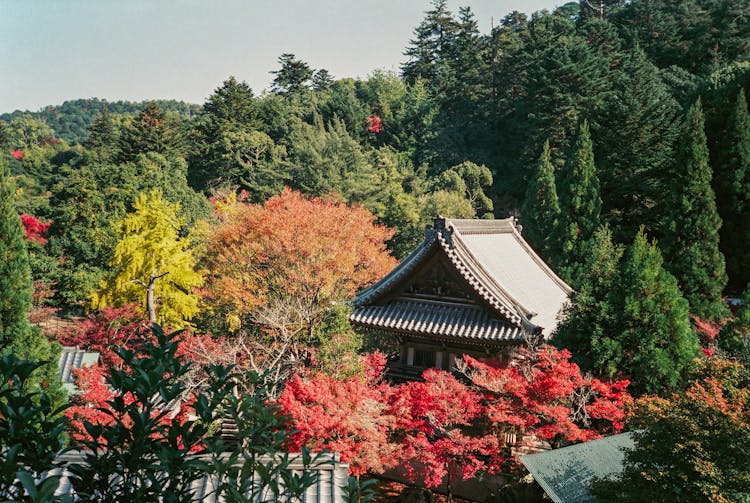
[[41, 311], [442, 429], [35, 229], [433, 419], [17, 154], [709, 352], [106, 330], [708, 332], [92, 405], [350, 417], [545, 394], [374, 124]]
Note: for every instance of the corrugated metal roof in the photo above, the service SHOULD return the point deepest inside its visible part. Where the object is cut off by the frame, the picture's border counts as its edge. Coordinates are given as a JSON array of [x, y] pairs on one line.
[[73, 357], [565, 474], [333, 476], [435, 318]]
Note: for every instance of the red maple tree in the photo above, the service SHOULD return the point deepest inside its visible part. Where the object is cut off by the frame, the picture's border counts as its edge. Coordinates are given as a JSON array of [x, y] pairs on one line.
[[35, 229], [17, 154], [106, 330], [441, 430], [434, 418], [374, 124], [349, 416], [545, 394]]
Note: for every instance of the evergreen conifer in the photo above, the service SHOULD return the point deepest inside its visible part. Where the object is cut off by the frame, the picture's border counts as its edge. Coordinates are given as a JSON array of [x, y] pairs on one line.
[[652, 340], [692, 226], [580, 206], [734, 183], [541, 207], [17, 336], [589, 316], [630, 319], [636, 129]]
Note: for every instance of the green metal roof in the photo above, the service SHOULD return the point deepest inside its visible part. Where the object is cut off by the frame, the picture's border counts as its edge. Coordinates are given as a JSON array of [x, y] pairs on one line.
[[565, 474]]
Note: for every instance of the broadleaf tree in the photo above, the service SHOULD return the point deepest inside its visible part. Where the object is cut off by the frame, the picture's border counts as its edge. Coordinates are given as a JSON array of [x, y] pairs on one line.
[[152, 264]]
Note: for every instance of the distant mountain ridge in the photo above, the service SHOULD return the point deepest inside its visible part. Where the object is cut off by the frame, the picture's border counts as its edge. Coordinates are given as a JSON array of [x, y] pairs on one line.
[[71, 119]]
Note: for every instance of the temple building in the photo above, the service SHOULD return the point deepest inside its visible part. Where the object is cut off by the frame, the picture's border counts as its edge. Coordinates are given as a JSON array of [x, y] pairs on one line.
[[472, 287]]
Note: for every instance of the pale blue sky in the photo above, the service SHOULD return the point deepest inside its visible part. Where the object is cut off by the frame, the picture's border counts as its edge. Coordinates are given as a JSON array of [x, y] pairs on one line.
[[55, 50]]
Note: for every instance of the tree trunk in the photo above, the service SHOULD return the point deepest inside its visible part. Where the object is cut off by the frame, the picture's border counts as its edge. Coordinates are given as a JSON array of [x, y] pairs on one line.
[[151, 296]]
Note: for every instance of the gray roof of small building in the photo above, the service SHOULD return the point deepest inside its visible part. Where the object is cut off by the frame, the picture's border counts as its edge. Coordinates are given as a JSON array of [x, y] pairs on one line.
[[332, 479], [73, 357], [565, 474], [501, 269]]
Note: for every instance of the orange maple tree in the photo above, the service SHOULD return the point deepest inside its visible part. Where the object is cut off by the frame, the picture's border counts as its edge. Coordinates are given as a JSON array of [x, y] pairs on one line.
[[282, 264]]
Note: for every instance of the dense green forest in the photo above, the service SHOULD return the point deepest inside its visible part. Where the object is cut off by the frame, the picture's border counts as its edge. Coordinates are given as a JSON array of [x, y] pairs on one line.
[[459, 132], [618, 135]]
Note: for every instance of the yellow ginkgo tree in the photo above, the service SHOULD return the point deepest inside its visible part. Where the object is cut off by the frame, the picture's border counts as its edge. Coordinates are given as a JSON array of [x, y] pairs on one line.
[[152, 263]]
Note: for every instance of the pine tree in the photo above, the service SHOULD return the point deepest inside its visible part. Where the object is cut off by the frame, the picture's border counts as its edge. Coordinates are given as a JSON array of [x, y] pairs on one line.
[[580, 206], [541, 208], [103, 136], [17, 336], [152, 130], [428, 51], [152, 264], [294, 75], [734, 203], [230, 105], [322, 80], [691, 231]]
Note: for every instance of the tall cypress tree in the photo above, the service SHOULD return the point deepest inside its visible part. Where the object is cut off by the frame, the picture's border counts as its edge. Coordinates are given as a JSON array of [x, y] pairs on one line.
[[589, 317], [692, 224], [734, 186], [541, 207], [653, 334], [152, 130], [580, 205], [427, 52], [17, 335], [630, 318]]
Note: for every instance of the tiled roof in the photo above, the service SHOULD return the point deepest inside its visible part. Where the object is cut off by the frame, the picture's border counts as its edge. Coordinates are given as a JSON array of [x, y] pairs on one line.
[[498, 265], [332, 478], [420, 317]]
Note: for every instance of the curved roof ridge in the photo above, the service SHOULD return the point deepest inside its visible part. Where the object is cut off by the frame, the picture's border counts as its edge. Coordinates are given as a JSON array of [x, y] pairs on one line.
[[497, 264], [509, 274]]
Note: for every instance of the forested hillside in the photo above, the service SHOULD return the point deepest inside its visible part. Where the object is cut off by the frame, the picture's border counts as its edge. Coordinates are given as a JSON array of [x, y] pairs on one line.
[[70, 121], [618, 135], [412, 145]]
